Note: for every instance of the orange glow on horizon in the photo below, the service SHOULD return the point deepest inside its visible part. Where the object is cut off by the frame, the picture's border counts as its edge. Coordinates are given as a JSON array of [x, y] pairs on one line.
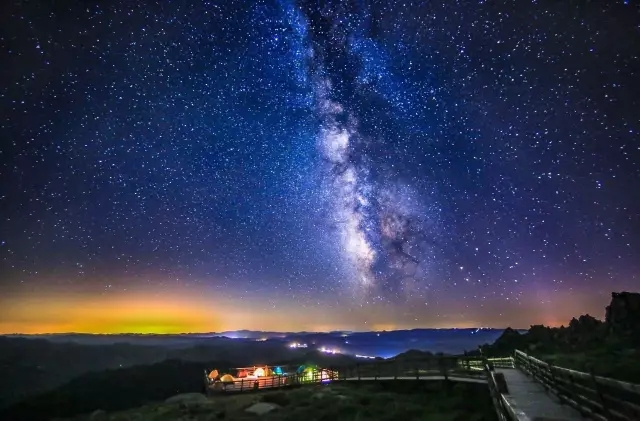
[[198, 311], [134, 314]]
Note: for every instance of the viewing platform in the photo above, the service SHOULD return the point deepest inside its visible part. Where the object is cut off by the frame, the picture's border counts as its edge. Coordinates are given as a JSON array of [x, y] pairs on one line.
[[522, 387]]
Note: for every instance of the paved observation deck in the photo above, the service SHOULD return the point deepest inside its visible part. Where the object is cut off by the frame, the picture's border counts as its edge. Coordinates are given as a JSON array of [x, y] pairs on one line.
[[533, 400]]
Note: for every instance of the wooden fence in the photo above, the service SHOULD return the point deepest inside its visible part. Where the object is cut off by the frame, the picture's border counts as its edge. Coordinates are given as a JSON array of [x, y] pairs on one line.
[[505, 410], [599, 398], [428, 368]]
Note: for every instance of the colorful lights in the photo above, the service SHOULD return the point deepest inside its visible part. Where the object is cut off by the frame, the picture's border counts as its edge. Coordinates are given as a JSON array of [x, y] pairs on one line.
[[251, 378], [309, 374]]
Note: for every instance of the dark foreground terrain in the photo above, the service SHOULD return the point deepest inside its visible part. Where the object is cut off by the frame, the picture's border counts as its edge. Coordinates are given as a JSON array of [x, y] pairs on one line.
[[609, 348], [35, 364], [427, 401], [129, 387]]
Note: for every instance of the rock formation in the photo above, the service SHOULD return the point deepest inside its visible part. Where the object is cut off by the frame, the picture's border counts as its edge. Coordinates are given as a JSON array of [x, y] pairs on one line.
[[623, 315]]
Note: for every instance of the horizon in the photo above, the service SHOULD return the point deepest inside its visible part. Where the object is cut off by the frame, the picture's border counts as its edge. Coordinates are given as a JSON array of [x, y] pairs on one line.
[[139, 312], [221, 334]]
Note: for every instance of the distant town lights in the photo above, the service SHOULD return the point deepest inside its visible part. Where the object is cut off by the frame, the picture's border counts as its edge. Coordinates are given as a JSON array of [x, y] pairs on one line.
[[365, 356], [297, 345]]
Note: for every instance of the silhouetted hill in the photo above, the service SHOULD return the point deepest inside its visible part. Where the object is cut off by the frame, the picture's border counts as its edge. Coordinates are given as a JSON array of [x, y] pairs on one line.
[[113, 390], [319, 358], [609, 348], [31, 366], [413, 354], [124, 388]]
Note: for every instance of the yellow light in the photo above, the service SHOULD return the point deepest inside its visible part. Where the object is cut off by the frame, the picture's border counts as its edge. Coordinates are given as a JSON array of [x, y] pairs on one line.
[[259, 372], [309, 374]]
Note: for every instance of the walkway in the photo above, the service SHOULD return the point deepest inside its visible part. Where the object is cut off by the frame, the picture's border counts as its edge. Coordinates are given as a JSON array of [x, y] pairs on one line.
[[526, 398], [531, 398], [413, 378], [265, 383]]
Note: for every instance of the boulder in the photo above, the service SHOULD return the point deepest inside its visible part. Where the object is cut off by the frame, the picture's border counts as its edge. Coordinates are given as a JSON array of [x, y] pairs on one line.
[[189, 399], [262, 408], [98, 415]]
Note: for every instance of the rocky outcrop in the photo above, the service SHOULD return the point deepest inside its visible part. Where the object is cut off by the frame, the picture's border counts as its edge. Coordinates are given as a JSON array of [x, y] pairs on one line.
[[262, 408], [188, 399], [620, 330], [623, 315], [98, 415]]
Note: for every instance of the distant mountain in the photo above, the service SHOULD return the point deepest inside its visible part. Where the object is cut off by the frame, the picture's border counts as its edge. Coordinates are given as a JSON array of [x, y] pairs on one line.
[[134, 386], [32, 364], [113, 390], [29, 366]]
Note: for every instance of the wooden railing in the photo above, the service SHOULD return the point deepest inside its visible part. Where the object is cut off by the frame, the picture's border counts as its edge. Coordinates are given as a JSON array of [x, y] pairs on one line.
[[505, 409], [599, 398], [428, 368]]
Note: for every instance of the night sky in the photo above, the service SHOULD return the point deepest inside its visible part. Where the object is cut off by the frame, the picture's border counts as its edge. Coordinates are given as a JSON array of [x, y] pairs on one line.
[[206, 166]]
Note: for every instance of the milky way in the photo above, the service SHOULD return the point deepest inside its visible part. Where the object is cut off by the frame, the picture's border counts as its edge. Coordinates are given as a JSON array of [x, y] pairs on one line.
[[426, 163], [380, 225]]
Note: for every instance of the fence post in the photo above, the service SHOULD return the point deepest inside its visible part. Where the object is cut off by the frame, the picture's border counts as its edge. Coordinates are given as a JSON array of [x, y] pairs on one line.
[[467, 363], [377, 367], [531, 368], [600, 394], [358, 370], [443, 368], [541, 378], [554, 382]]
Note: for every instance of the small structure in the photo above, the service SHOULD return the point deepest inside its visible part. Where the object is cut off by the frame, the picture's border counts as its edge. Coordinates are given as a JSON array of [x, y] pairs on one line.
[[213, 376], [227, 378], [265, 377], [312, 373]]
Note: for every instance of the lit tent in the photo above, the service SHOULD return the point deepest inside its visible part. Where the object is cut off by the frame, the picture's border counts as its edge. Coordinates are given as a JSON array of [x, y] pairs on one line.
[[227, 378]]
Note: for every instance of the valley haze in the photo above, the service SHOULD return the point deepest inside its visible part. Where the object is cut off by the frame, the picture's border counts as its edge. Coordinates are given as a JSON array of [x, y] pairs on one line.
[[383, 344], [35, 364]]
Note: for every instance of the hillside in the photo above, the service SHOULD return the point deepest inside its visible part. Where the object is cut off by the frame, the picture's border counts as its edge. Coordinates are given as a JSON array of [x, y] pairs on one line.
[[609, 348], [426, 401], [133, 386], [32, 366]]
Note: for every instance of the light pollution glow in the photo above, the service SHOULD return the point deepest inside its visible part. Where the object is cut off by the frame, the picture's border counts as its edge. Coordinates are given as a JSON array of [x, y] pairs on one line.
[[196, 311]]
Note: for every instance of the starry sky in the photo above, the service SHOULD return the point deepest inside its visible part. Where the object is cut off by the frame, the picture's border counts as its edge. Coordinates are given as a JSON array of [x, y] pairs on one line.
[[315, 165]]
